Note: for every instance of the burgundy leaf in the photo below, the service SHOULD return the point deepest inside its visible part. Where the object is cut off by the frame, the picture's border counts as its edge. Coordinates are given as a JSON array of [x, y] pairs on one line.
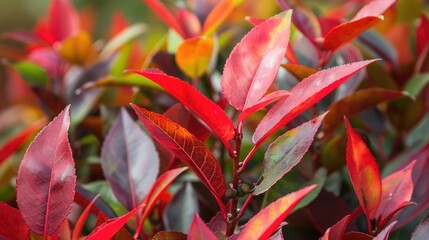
[[12, 225], [199, 104], [46, 178], [397, 190], [265, 223], [303, 95], [108, 229], [129, 160], [254, 62], [337, 231], [186, 147], [199, 230], [364, 173], [286, 152], [267, 99], [422, 34], [63, 21]]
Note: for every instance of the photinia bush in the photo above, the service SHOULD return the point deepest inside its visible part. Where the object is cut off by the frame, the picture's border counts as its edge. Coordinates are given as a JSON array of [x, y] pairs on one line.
[[311, 125]]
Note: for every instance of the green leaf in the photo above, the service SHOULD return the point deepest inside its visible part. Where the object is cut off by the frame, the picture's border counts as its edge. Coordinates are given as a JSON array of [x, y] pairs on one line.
[[416, 84], [33, 74]]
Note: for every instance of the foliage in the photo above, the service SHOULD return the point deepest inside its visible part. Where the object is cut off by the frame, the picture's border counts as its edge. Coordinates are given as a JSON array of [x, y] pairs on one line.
[[236, 133]]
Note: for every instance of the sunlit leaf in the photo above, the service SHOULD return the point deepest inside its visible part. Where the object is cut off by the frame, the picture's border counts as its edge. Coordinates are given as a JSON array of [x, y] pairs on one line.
[[199, 104], [254, 62], [218, 15], [303, 95], [46, 178], [194, 55], [199, 230], [355, 103], [12, 225], [364, 173], [286, 152], [265, 223], [374, 8], [186, 147], [129, 160]]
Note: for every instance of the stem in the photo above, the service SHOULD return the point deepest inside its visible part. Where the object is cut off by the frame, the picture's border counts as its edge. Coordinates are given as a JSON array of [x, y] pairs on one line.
[[245, 205], [369, 226], [247, 159]]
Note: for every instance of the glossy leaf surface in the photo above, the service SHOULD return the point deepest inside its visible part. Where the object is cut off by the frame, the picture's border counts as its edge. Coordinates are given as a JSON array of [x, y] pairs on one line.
[[337, 231], [397, 189], [265, 223], [355, 103], [364, 173], [303, 95], [253, 63], [12, 225], [129, 160], [186, 147], [194, 55], [46, 178], [199, 230], [199, 104], [108, 229], [286, 152]]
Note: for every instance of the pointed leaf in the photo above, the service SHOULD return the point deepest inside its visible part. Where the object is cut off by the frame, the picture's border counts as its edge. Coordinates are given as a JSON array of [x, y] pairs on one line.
[[422, 35], [384, 235], [161, 184], [417, 84], [337, 231], [82, 219], [265, 223], [374, 8], [218, 15], [194, 55], [346, 32], [199, 104], [108, 229], [355, 103], [199, 230], [364, 173], [12, 225], [122, 38], [46, 178], [15, 142], [63, 21], [129, 161], [267, 99], [166, 16], [298, 71], [254, 62], [422, 230], [303, 95], [286, 152], [397, 189], [186, 147]]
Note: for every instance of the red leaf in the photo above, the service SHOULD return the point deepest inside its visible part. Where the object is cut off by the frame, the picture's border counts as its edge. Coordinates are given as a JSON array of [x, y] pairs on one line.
[[15, 142], [303, 95], [82, 219], [337, 231], [286, 152], [199, 230], [346, 32], [186, 147], [12, 225], [267, 99], [374, 8], [364, 173], [254, 62], [165, 15], [384, 235], [355, 103], [46, 178], [108, 229], [199, 104], [63, 21], [397, 189], [422, 34], [265, 223], [189, 22], [129, 161], [167, 235], [218, 15]]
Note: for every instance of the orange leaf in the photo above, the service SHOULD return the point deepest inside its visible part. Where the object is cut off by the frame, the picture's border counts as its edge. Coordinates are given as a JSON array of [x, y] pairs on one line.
[[364, 173], [219, 13], [194, 55], [78, 49]]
